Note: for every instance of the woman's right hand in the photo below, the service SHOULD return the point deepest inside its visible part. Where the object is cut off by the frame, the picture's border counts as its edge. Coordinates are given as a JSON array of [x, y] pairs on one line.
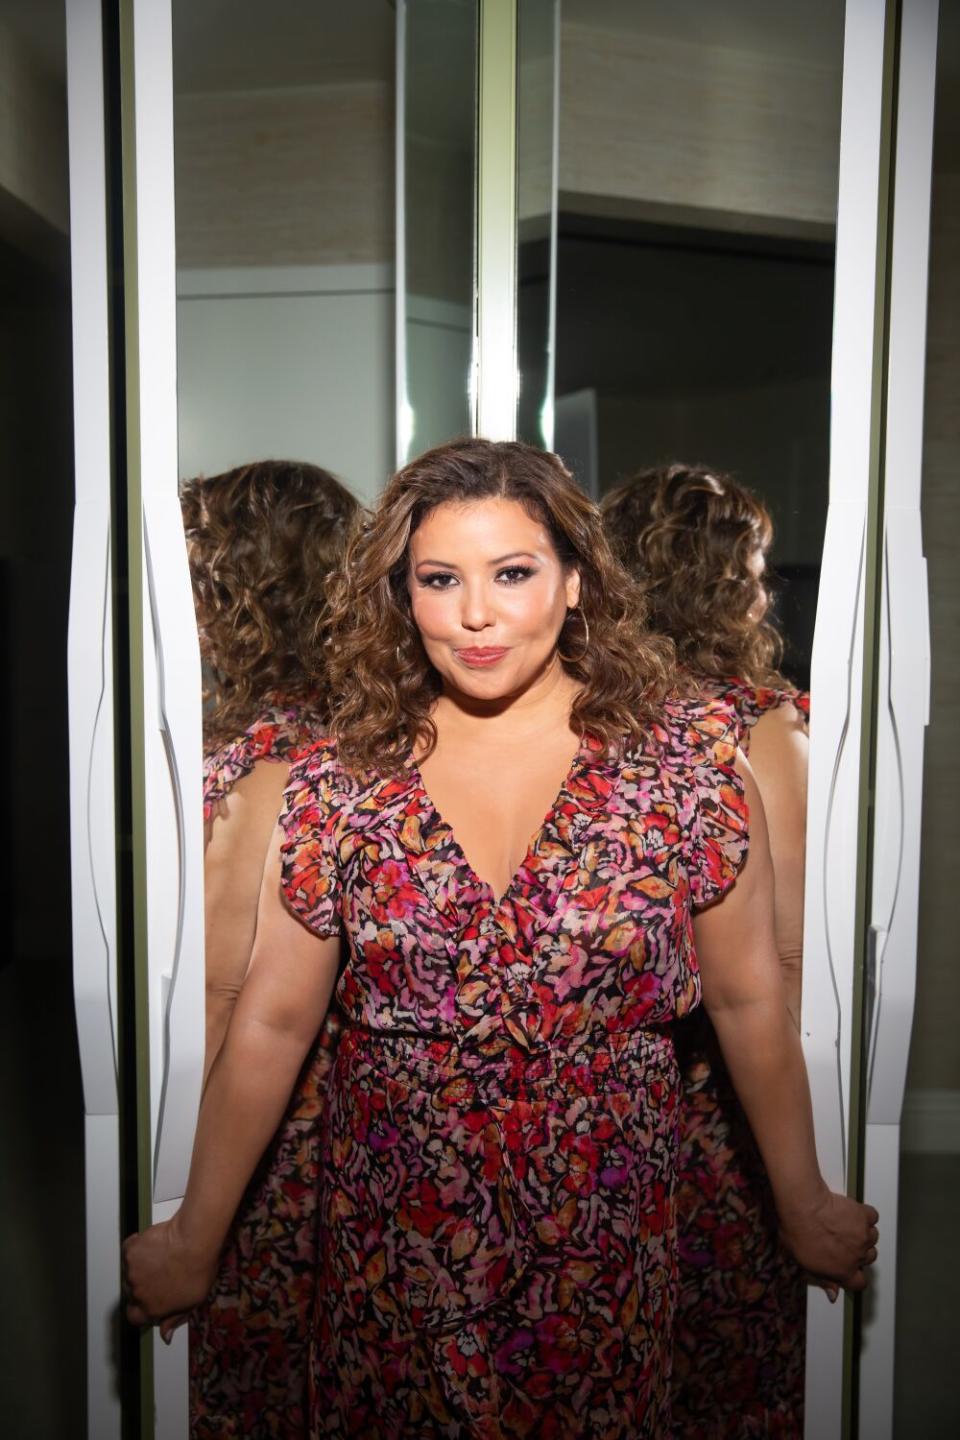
[[162, 1275], [834, 1238]]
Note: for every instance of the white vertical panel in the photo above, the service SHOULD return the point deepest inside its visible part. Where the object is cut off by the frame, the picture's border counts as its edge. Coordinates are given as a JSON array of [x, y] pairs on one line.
[[91, 713], [171, 666], [102, 1196], [90, 655], [172, 679], [903, 700], [497, 381], [837, 668]]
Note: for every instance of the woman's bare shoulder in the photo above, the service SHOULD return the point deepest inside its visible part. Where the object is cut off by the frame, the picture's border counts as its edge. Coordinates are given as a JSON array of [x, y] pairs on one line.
[[783, 724], [244, 819], [779, 754]]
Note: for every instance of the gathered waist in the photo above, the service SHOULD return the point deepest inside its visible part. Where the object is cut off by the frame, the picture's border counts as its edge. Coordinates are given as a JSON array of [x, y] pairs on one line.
[[471, 1075]]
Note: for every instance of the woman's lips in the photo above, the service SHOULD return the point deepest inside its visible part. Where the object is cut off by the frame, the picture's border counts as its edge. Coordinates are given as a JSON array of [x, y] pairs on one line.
[[479, 656]]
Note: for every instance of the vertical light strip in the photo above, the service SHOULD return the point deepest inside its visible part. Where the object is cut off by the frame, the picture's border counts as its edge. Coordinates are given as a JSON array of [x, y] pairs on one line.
[[403, 419], [497, 222], [547, 419]]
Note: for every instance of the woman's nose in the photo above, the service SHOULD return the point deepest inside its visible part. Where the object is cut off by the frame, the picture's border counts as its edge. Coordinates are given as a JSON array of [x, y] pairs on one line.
[[477, 611]]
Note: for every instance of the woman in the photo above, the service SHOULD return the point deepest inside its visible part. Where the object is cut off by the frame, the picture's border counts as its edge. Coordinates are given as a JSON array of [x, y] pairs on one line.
[[697, 543], [496, 1251], [262, 540]]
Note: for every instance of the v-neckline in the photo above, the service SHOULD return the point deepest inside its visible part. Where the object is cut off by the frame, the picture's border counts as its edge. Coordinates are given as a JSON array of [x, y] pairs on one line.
[[580, 758]]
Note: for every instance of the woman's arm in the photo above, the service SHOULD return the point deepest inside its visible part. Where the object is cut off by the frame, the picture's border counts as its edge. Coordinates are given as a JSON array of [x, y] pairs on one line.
[[779, 751], [237, 844], [171, 1266], [830, 1235]]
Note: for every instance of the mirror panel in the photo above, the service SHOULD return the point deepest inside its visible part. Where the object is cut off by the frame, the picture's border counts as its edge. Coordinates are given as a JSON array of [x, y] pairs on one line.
[[925, 1392], [698, 162], [697, 174], [285, 157], [436, 222]]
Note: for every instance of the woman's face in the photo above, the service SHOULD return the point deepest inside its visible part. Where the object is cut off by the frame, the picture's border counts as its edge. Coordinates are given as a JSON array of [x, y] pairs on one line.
[[489, 596]]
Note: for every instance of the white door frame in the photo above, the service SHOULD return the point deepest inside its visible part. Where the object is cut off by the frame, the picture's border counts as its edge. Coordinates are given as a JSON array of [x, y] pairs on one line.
[[162, 1020]]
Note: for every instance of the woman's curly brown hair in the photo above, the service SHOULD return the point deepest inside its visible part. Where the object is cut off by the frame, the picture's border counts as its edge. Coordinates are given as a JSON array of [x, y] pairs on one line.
[[261, 541], [690, 537], [385, 686]]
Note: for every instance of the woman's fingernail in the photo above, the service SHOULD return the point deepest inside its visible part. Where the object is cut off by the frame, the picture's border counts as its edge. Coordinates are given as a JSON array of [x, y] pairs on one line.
[[166, 1338]]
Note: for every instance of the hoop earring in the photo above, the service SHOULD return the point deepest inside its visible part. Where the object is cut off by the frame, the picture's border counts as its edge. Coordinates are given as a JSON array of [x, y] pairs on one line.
[[576, 659]]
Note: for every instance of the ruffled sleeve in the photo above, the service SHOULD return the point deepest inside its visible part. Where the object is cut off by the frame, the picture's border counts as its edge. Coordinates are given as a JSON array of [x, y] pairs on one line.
[[801, 699], [703, 736], [308, 869], [752, 702], [280, 733]]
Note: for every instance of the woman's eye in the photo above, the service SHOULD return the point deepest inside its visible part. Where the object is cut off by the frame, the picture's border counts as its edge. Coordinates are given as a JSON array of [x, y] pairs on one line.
[[439, 580], [514, 574]]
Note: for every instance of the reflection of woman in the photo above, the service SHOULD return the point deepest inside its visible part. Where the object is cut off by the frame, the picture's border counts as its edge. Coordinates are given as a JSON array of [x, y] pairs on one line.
[[696, 541], [262, 541], [497, 1187]]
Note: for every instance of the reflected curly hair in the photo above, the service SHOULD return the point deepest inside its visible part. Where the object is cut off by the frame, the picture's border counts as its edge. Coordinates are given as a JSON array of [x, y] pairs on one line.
[[384, 684], [262, 540], [689, 537]]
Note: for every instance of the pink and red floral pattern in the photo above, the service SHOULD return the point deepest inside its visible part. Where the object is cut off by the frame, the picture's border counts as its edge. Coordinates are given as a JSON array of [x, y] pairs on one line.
[[248, 1342], [496, 1208], [739, 1342]]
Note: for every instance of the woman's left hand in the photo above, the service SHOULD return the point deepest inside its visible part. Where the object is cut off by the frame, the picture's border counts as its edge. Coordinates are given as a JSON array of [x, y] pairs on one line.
[[835, 1238], [163, 1277]]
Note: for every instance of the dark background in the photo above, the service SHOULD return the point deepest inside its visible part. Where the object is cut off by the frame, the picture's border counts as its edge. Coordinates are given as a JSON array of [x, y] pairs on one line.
[[42, 1350], [703, 347]]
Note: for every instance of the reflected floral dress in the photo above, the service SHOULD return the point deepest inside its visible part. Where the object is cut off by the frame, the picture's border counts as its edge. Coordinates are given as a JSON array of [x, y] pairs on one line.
[[496, 1209], [248, 1341], [741, 1311]]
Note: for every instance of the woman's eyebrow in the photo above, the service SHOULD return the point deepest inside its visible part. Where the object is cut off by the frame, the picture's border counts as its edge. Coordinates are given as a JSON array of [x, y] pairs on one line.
[[500, 560]]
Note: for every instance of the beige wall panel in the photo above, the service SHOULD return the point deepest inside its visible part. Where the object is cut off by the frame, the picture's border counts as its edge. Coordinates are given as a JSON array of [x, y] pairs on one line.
[[307, 376], [33, 134], [286, 177], [673, 124], [935, 1053]]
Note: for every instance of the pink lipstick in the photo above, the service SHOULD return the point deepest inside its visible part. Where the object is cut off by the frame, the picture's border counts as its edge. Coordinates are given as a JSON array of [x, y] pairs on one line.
[[478, 656]]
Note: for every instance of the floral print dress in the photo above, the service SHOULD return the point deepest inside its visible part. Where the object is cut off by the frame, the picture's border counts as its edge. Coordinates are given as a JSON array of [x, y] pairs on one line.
[[248, 1342], [741, 1310], [496, 1241]]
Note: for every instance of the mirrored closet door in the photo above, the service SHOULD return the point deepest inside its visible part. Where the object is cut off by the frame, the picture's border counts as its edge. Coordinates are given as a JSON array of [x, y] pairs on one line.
[[299, 222]]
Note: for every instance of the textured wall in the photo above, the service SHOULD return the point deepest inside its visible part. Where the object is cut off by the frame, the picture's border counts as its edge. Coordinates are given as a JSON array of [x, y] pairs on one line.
[[668, 123]]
